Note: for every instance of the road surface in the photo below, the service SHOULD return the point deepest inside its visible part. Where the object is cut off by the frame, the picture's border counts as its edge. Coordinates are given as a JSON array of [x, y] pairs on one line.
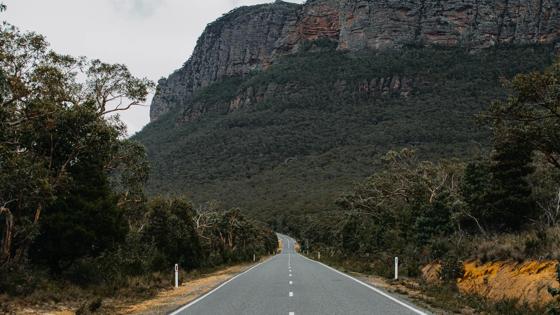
[[291, 284]]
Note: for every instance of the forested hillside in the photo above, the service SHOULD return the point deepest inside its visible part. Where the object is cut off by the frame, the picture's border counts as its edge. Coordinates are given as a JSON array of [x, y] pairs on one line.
[[314, 123]]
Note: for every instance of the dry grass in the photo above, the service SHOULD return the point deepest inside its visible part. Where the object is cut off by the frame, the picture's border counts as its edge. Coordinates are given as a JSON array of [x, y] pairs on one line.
[[525, 282], [151, 294], [539, 245], [170, 299]]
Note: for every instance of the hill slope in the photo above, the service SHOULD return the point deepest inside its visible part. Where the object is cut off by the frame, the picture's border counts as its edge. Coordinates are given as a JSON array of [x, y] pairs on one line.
[[294, 136]]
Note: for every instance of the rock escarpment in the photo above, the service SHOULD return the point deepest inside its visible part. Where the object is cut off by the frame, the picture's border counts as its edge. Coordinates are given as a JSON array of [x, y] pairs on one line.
[[244, 40], [250, 38]]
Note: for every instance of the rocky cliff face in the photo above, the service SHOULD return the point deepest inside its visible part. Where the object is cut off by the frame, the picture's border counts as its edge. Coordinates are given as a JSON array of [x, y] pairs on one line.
[[471, 23], [242, 41], [250, 38]]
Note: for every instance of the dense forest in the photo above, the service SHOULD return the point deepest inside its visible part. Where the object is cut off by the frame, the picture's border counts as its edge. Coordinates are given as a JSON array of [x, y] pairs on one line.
[[326, 126], [72, 202]]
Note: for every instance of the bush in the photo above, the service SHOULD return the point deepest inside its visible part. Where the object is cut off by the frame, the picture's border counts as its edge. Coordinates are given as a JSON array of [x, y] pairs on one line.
[[452, 268]]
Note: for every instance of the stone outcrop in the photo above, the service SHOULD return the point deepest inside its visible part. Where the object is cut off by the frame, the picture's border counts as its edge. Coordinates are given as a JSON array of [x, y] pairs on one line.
[[249, 38], [472, 23], [241, 41]]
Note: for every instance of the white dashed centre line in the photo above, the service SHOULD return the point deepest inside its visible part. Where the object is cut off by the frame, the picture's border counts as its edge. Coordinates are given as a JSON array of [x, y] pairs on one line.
[[291, 313], [290, 274], [291, 294], [291, 282]]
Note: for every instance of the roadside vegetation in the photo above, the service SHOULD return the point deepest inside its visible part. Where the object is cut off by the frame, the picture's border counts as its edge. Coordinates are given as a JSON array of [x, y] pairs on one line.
[[499, 205], [74, 219]]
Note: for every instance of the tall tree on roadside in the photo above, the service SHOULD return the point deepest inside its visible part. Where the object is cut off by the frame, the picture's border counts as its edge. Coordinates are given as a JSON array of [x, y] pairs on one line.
[[475, 190], [510, 196], [83, 220], [527, 121], [532, 112], [42, 90]]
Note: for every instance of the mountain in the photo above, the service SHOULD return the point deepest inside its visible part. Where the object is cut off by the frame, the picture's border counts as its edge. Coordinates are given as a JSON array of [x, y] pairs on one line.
[[282, 107], [250, 38]]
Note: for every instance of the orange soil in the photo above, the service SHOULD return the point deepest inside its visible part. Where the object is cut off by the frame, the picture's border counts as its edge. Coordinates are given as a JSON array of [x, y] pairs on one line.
[[526, 281]]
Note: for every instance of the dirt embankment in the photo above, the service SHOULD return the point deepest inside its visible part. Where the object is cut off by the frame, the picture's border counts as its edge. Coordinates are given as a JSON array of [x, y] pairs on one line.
[[527, 282]]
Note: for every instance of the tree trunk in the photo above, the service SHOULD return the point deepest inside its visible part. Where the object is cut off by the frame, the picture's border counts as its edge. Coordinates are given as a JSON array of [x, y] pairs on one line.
[[6, 248], [26, 243]]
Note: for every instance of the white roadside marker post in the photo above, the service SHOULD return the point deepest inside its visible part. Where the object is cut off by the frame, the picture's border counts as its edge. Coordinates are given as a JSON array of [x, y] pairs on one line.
[[319, 255], [176, 275], [396, 268], [254, 258]]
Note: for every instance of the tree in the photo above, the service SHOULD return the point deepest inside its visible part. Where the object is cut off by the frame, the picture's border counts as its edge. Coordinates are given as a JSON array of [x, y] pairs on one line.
[[510, 197], [532, 111], [497, 192], [170, 226], [407, 202], [51, 122], [85, 220], [129, 169], [475, 190]]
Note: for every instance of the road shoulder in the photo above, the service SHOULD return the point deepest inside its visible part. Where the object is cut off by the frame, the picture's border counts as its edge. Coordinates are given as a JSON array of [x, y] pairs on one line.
[[171, 299]]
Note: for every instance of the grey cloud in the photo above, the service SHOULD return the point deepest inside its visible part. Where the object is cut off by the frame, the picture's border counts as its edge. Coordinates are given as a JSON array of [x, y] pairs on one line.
[[137, 8]]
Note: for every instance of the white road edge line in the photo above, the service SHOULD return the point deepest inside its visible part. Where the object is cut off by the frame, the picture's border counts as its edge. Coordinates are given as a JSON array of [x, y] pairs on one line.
[[417, 311], [179, 310]]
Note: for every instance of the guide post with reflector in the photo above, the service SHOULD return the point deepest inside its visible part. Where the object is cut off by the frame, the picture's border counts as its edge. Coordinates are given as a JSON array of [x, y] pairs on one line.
[[176, 275]]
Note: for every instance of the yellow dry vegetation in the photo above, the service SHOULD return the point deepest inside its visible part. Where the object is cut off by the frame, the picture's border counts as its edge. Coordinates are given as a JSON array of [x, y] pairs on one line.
[[171, 299], [164, 302], [527, 281], [430, 273]]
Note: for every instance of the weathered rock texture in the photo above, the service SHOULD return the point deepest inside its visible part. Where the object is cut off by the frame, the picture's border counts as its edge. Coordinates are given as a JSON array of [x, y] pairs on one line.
[[239, 42], [250, 38]]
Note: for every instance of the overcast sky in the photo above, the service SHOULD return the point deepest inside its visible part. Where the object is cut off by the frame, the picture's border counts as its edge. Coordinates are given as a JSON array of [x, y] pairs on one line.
[[152, 37]]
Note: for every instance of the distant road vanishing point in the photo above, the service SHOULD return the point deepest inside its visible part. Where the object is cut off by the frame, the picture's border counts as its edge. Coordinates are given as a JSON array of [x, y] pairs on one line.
[[291, 284]]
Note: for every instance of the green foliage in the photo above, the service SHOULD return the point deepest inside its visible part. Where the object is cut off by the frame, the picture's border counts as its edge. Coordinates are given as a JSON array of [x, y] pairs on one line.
[[531, 112], [475, 190], [170, 226], [54, 129], [87, 210], [510, 196], [315, 133]]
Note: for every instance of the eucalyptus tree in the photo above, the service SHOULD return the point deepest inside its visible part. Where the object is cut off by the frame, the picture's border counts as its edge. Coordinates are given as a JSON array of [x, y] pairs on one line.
[[53, 117]]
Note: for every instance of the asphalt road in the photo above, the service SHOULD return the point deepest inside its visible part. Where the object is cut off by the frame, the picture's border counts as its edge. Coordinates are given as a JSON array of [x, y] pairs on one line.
[[290, 284]]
